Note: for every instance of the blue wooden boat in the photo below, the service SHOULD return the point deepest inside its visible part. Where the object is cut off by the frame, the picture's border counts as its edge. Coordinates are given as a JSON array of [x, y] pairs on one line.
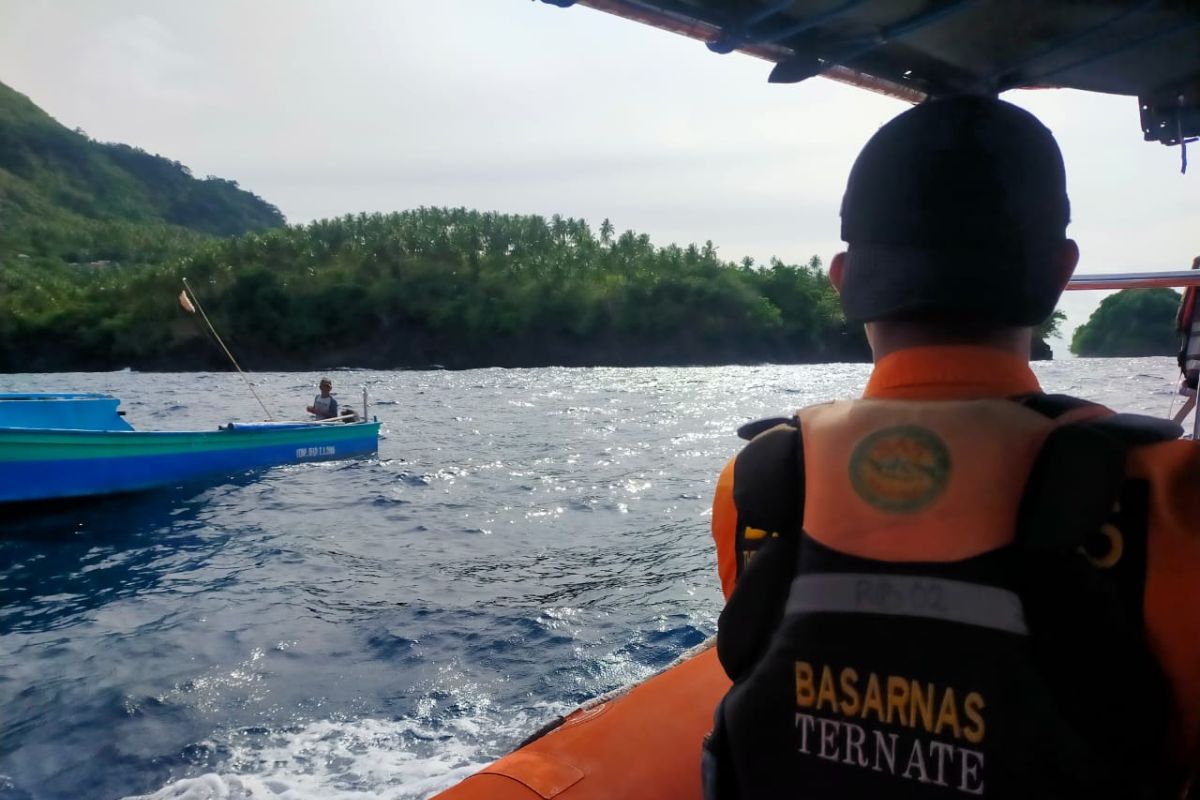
[[79, 445]]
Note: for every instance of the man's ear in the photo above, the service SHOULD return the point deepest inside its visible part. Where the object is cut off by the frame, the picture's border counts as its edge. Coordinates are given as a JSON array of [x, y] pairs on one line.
[[837, 271], [1068, 259]]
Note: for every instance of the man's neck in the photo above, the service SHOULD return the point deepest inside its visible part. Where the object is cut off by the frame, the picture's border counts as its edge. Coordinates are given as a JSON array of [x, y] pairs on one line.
[[886, 337]]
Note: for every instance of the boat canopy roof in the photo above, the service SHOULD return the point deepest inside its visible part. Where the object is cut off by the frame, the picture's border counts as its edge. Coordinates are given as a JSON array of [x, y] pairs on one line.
[[914, 49]]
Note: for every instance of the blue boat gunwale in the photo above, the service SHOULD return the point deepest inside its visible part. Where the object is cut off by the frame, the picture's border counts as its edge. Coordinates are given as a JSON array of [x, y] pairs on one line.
[[78, 445], [55, 396], [233, 428]]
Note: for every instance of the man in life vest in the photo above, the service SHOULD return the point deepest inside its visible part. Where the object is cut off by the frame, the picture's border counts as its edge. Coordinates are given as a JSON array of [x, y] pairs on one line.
[[1188, 325], [957, 585]]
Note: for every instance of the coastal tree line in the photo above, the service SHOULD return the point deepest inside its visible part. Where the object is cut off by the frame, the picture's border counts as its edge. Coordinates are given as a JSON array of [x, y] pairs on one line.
[[454, 287], [1133, 322]]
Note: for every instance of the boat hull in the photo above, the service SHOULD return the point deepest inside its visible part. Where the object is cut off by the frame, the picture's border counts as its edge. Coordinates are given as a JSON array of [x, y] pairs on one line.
[[45, 464]]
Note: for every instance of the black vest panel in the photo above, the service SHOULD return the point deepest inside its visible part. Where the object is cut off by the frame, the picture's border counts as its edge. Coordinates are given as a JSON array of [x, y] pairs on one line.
[[909, 681]]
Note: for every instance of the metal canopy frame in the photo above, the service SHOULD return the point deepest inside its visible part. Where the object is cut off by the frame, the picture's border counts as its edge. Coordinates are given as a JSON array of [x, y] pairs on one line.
[[1135, 280], [914, 49]]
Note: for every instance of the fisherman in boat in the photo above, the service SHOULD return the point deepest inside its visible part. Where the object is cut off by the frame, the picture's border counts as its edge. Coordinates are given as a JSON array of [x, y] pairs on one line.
[[1188, 325], [957, 585], [324, 405]]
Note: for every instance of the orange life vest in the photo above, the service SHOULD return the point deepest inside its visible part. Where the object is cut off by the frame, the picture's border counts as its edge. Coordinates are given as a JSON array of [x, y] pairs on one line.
[[938, 599]]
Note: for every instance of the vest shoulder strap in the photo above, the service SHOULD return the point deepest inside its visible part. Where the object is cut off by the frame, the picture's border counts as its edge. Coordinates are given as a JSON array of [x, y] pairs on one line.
[[1052, 405], [1085, 613], [1138, 429], [753, 429], [768, 479], [1078, 475], [769, 496]]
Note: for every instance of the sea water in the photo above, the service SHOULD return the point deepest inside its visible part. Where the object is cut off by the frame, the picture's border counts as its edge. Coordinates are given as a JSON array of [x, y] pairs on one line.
[[380, 628]]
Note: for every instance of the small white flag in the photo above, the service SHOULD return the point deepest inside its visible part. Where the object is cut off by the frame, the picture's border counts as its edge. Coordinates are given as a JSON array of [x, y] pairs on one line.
[[186, 303]]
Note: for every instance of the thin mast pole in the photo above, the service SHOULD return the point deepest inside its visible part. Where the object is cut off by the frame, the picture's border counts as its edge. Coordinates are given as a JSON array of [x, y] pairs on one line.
[[195, 300]]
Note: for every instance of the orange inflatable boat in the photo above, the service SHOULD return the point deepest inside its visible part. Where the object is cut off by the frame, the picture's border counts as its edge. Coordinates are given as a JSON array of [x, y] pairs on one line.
[[643, 741]]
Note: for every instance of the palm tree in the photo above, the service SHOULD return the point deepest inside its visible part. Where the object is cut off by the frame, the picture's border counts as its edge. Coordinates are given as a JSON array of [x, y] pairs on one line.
[[606, 232]]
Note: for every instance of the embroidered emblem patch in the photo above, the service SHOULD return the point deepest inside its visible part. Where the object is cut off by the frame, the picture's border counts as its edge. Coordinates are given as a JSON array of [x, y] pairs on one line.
[[900, 469]]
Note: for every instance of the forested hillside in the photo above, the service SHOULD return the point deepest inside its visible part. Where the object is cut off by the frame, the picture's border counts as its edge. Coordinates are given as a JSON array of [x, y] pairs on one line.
[[64, 196]]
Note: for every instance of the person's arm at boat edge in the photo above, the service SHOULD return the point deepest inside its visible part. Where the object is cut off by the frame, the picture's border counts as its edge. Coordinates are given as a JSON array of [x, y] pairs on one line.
[[724, 529], [1172, 595]]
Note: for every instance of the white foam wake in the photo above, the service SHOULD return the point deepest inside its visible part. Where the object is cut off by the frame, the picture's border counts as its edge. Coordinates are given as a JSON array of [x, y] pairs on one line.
[[368, 758]]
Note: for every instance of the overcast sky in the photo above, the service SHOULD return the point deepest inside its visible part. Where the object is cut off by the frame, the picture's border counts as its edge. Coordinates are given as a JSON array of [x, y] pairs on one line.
[[325, 108]]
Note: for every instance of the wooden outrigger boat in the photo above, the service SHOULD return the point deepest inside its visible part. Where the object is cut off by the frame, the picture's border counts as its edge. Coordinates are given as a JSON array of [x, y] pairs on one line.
[[78, 445], [645, 741]]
